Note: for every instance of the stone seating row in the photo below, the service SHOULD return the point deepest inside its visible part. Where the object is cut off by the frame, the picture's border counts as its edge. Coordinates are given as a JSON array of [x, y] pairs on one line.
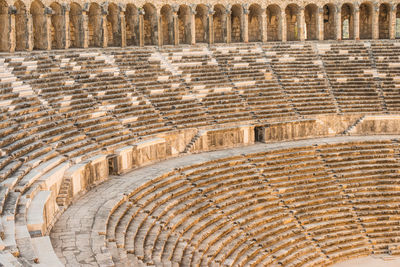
[[255, 209]]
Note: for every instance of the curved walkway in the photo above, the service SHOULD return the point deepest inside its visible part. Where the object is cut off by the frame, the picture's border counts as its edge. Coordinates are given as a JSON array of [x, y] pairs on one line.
[[75, 236]]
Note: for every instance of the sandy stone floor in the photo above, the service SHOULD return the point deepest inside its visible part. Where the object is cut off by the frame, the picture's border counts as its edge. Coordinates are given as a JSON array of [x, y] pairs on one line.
[[73, 238]]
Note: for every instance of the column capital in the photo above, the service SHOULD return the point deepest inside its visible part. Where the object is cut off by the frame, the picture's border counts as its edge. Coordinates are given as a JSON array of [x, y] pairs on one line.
[[141, 11], [375, 6], [85, 7], [228, 9], [48, 11], [121, 7], [192, 9], [175, 8], [338, 8], [393, 7], [301, 8], [210, 9], [320, 10], [104, 8], [12, 10], [65, 7], [245, 8], [356, 7]]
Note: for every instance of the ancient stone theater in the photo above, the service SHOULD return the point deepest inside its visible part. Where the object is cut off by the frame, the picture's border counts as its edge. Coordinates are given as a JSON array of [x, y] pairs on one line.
[[199, 133]]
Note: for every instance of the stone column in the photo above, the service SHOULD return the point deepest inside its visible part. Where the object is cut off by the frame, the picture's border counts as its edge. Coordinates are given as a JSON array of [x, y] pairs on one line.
[[85, 25], [338, 22], [283, 25], [141, 26], [122, 8], [375, 19], [320, 24], [357, 21], [104, 13], [12, 10], [48, 12], [192, 9], [245, 23], [175, 9], [159, 38], [210, 24], [392, 22], [301, 24], [264, 24], [228, 24], [65, 12]]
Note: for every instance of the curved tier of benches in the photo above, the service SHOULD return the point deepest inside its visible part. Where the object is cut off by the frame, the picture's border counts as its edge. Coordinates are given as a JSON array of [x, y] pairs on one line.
[[63, 108], [302, 203]]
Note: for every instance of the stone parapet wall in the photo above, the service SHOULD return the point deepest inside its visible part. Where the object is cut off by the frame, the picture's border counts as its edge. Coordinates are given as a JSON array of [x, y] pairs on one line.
[[49, 25]]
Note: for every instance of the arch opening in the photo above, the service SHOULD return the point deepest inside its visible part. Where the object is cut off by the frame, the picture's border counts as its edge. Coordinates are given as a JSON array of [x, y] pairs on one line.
[[94, 25], [398, 21], [113, 26], [150, 25], [366, 21], [167, 25], [255, 20], [329, 22], [311, 22], [219, 24], [184, 24], [201, 24], [57, 27], [383, 21], [4, 26], [292, 22], [76, 34], [236, 23], [132, 25], [347, 21], [274, 23], [21, 30], [39, 25]]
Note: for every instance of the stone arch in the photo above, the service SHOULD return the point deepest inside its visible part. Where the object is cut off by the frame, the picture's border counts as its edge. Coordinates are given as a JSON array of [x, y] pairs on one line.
[[292, 22], [4, 26], [132, 25], [150, 24], [113, 25], [274, 24], [76, 25], [397, 22], [39, 25], [329, 22], [366, 20], [219, 24], [255, 20], [95, 25], [184, 24], [201, 23], [167, 25], [347, 21], [311, 21], [21, 26], [57, 27], [384, 21], [236, 23]]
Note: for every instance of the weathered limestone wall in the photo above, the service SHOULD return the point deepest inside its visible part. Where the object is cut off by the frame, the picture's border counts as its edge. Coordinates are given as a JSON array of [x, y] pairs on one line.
[[322, 126], [376, 125]]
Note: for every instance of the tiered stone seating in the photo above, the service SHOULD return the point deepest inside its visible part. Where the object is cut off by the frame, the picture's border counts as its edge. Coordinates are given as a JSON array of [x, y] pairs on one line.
[[162, 88], [300, 73], [208, 84], [248, 70], [349, 70], [386, 57], [298, 174], [368, 175]]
